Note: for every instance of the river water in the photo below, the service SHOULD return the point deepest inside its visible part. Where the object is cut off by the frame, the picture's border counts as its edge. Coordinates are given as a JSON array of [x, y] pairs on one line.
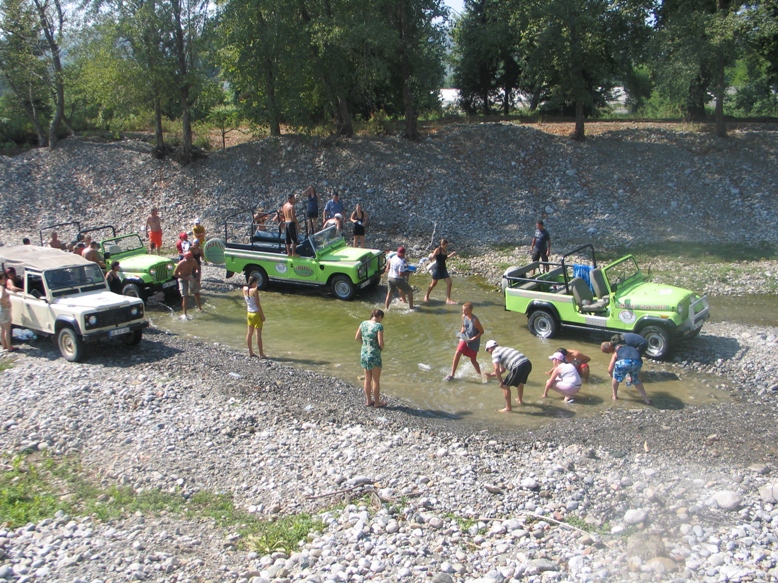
[[313, 331]]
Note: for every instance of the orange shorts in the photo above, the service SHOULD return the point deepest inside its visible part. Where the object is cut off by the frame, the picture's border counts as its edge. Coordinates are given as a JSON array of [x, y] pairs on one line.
[[156, 238]]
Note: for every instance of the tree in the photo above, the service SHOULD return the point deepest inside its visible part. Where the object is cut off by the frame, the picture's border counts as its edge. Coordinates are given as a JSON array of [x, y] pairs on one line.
[[576, 47], [22, 65]]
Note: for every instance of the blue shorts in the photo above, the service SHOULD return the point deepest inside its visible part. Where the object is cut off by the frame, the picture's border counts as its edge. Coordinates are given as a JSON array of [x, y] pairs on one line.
[[627, 367]]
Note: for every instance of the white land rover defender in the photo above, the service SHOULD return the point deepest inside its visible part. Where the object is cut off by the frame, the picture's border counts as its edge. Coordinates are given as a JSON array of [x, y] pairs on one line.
[[65, 296]]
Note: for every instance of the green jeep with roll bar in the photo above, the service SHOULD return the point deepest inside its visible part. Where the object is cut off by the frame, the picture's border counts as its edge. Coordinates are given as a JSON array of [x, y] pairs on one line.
[[143, 274], [618, 299], [325, 260]]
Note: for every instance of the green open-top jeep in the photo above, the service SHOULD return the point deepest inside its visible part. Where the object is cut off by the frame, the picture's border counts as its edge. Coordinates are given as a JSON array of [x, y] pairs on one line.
[[325, 260], [577, 293]]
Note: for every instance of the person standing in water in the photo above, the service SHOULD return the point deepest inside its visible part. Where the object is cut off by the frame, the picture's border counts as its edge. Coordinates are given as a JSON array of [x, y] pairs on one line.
[[255, 316], [371, 334], [440, 255], [472, 330]]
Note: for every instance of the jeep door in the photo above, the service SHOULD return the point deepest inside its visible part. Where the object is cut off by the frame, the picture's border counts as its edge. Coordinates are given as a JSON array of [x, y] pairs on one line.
[[36, 311]]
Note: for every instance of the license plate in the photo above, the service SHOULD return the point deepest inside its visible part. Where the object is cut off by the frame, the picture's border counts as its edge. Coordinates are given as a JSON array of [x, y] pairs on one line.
[[170, 283], [118, 331], [364, 284]]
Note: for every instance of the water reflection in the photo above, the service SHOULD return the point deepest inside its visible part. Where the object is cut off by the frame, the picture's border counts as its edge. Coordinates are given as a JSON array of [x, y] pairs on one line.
[[316, 332]]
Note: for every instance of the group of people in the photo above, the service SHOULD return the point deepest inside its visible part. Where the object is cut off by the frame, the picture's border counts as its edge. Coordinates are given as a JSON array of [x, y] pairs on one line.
[[398, 271]]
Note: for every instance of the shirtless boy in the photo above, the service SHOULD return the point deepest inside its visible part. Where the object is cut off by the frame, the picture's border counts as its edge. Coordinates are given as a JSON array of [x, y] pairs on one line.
[[154, 231], [55, 243], [186, 279], [291, 225], [577, 359]]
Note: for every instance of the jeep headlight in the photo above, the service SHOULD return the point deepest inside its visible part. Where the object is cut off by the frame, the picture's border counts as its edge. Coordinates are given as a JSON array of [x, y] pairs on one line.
[[679, 309], [134, 311], [153, 271], [92, 320], [170, 267], [362, 271]]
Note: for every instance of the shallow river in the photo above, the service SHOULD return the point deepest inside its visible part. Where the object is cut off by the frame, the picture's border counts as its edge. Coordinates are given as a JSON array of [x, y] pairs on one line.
[[313, 331]]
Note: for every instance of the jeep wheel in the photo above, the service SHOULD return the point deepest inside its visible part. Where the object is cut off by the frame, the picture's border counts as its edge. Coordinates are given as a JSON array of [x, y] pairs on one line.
[[261, 275], [70, 345], [131, 290], [658, 342], [342, 288], [133, 338], [542, 324]]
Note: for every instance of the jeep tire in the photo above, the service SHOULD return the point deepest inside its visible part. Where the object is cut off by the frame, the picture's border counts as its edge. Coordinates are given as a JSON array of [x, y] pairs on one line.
[[261, 274], [70, 345], [132, 290], [133, 338], [542, 324], [342, 287], [658, 341]]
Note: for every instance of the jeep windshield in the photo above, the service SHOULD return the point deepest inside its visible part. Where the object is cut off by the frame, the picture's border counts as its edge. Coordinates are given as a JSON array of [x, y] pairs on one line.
[[620, 272], [123, 244], [65, 281], [324, 238]]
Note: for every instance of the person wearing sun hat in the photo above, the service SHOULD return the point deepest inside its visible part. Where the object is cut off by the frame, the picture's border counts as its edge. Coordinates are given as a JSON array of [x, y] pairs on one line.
[[517, 366], [564, 378]]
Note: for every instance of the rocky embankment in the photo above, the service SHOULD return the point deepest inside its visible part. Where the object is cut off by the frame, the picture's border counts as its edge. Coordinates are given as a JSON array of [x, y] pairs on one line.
[[639, 495]]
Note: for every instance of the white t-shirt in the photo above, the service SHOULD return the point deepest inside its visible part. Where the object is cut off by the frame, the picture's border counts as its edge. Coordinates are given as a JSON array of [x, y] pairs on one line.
[[569, 374], [396, 267]]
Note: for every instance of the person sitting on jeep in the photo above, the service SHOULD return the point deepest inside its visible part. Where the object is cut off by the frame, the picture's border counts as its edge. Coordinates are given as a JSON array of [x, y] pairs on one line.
[[13, 282], [93, 255], [55, 243]]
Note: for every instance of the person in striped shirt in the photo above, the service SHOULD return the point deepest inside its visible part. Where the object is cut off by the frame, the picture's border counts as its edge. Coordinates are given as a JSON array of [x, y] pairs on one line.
[[511, 361]]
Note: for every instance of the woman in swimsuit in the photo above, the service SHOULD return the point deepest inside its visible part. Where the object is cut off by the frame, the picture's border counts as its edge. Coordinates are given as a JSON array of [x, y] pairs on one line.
[[371, 334], [359, 218], [440, 255], [5, 313]]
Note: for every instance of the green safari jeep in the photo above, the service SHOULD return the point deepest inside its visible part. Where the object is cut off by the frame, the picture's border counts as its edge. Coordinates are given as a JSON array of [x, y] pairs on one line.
[[325, 260], [617, 298], [143, 274]]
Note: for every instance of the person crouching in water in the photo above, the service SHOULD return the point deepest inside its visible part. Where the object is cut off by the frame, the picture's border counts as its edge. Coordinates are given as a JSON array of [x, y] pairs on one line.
[[255, 316], [564, 378], [472, 329]]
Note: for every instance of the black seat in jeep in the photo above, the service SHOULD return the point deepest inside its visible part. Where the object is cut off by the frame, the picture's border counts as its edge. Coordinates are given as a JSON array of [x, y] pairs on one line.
[[598, 283], [584, 298]]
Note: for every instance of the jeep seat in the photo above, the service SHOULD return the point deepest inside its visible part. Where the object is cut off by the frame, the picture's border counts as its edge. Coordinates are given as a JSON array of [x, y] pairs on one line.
[[113, 249], [584, 298], [598, 283]]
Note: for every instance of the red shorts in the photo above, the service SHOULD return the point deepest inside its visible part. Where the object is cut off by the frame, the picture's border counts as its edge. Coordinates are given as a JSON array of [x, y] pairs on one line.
[[582, 367], [466, 350], [156, 238]]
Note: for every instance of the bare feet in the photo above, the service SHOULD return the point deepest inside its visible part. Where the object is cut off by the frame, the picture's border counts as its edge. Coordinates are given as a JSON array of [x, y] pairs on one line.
[[451, 302], [263, 356], [369, 404], [569, 400], [380, 404], [614, 397], [545, 395], [647, 401], [504, 410], [425, 300], [252, 355], [519, 401]]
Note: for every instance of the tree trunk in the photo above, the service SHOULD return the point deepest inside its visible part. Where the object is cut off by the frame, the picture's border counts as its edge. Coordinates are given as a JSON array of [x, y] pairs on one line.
[[695, 102], [485, 99], [721, 127], [159, 137], [185, 151], [507, 96], [534, 99], [271, 103], [579, 134], [343, 118], [51, 31]]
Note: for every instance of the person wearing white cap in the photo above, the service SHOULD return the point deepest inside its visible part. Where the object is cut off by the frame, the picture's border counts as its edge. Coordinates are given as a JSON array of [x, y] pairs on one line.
[[198, 231], [564, 378], [516, 365], [336, 221]]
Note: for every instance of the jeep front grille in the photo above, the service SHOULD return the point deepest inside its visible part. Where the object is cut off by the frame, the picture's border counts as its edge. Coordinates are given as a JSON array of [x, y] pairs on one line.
[[115, 317], [162, 273]]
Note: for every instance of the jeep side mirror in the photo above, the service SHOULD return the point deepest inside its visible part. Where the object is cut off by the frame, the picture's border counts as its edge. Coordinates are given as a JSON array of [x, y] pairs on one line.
[[36, 294]]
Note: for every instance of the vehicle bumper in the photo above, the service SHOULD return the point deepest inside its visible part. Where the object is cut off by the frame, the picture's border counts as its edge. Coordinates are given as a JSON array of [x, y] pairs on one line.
[[152, 288], [369, 281], [115, 331], [699, 312]]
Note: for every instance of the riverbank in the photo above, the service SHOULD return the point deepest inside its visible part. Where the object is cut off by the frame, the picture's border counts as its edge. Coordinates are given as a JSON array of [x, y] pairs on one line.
[[644, 495]]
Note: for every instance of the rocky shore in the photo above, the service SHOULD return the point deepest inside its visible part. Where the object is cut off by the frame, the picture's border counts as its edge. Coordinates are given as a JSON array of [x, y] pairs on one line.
[[643, 495]]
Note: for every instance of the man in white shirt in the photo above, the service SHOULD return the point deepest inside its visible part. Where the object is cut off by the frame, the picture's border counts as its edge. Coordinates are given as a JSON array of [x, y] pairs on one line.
[[398, 269]]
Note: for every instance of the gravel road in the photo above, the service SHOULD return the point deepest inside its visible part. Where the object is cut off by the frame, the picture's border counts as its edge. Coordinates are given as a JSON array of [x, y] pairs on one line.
[[687, 494]]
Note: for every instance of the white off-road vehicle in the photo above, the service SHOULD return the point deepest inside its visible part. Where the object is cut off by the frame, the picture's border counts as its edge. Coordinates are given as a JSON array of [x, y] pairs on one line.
[[66, 297]]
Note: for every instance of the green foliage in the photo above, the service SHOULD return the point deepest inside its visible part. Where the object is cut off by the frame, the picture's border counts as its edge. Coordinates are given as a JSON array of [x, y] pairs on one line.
[[5, 364], [464, 523], [36, 487], [577, 522]]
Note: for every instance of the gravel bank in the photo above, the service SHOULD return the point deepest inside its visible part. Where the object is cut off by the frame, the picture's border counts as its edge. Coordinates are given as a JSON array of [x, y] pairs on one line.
[[670, 495]]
